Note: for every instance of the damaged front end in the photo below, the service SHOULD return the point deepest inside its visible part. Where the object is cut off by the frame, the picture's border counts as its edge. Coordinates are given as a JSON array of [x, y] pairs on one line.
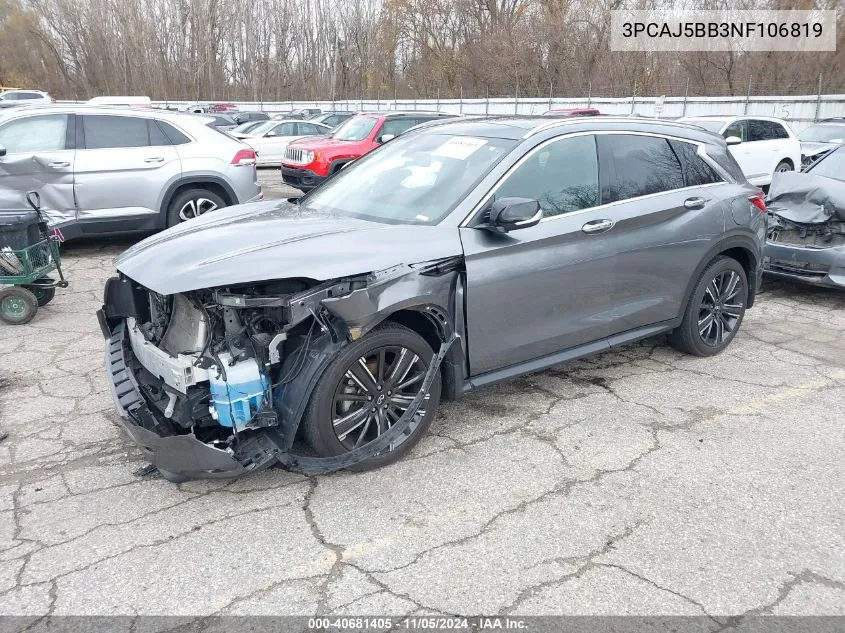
[[806, 232], [214, 382]]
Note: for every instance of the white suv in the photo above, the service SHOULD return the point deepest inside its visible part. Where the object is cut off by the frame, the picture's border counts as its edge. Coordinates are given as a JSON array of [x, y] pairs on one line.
[[761, 145], [11, 98], [103, 169]]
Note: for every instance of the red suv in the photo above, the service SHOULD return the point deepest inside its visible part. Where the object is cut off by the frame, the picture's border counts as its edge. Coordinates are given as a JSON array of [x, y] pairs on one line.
[[309, 161]]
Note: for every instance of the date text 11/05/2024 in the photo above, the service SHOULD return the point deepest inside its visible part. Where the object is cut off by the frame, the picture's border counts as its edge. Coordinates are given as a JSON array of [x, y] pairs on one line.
[[435, 623]]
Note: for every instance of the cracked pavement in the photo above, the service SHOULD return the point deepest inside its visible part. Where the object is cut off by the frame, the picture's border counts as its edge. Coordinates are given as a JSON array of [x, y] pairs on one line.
[[640, 481]]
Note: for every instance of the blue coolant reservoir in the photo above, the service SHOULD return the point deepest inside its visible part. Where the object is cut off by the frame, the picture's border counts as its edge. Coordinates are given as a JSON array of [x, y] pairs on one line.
[[236, 399]]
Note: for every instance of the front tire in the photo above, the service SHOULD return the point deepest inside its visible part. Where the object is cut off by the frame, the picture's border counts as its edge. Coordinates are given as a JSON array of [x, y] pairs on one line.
[[192, 203], [365, 390], [784, 165], [715, 309]]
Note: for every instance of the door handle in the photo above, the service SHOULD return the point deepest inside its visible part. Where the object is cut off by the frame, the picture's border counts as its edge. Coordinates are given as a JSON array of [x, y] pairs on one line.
[[155, 159], [695, 203], [598, 226], [58, 163]]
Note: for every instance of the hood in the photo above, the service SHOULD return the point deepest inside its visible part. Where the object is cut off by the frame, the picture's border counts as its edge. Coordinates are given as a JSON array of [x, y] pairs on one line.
[[321, 142], [805, 198], [811, 149], [277, 240]]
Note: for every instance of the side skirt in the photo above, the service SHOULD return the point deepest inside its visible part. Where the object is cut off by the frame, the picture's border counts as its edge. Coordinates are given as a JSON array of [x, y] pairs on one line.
[[544, 362]]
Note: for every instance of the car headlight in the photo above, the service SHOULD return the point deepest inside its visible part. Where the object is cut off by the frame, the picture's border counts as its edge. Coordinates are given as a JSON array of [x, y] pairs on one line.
[[307, 156]]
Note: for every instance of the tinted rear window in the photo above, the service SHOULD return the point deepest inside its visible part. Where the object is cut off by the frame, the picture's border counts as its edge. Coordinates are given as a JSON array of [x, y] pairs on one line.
[[696, 170], [642, 165], [173, 135]]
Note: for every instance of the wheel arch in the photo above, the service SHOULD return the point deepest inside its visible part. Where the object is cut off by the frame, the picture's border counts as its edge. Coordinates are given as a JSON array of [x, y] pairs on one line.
[[213, 183], [741, 247]]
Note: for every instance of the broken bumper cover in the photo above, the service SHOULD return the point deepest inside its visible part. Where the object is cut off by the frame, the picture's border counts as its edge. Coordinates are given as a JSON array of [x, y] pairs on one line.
[[817, 266], [180, 455]]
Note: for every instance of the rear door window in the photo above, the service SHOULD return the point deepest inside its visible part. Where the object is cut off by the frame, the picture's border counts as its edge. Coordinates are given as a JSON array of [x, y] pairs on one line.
[[638, 166], [696, 170], [285, 129], [35, 134], [562, 176], [764, 130], [108, 132], [305, 129]]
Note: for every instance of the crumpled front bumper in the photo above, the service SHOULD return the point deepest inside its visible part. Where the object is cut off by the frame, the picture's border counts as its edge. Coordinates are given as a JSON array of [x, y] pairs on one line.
[[817, 266], [178, 457]]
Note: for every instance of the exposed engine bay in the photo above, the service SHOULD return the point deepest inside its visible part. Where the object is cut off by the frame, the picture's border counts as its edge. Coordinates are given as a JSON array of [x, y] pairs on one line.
[[231, 368]]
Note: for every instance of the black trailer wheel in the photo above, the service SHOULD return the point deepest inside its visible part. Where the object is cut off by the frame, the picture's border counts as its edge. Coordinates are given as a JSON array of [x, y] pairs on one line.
[[43, 294], [17, 305]]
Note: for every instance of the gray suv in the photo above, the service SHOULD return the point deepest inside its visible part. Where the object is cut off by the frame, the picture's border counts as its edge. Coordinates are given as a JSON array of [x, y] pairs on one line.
[[458, 255], [103, 169]]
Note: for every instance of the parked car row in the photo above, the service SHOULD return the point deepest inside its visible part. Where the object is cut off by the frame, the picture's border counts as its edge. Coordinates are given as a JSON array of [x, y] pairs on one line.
[[461, 253]]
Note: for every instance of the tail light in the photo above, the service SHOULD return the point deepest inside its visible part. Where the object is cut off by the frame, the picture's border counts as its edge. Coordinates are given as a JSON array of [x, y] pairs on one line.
[[759, 201], [244, 157]]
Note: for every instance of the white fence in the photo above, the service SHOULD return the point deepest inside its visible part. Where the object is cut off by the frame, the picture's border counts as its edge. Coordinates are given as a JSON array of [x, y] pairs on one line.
[[799, 111]]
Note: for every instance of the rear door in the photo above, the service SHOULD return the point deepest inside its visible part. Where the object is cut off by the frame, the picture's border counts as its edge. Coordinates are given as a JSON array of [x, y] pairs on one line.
[[663, 201], [123, 164], [39, 157]]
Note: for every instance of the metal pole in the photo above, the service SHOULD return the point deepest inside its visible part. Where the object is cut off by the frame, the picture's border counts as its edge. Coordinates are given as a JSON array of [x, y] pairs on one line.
[[686, 94], [818, 100], [461, 102], [589, 93], [551, 86], [487, 101], [633, 97], [516, 98], [748, 95]]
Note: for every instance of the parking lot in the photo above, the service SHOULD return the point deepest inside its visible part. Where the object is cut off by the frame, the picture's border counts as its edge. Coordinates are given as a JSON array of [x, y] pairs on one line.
[[641, 481]]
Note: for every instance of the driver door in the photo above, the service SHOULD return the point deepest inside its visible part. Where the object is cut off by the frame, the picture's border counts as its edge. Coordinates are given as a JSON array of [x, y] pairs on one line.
[[39, 157], [550, 287]]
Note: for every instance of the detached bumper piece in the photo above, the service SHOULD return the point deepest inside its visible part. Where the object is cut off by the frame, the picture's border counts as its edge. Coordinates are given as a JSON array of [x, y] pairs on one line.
[[178, 457]]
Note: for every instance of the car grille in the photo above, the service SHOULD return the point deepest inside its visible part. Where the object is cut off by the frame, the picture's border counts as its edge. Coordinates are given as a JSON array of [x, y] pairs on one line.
[[293, 155]]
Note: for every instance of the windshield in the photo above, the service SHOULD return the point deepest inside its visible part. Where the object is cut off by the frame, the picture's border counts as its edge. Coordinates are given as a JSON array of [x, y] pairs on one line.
[[823, 134], [355, 129], [416, 179], [263, 127], [831, 166], [711, 125]]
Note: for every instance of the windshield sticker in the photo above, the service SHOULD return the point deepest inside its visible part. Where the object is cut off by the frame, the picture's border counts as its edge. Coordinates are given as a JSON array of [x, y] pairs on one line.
[[459, 147]]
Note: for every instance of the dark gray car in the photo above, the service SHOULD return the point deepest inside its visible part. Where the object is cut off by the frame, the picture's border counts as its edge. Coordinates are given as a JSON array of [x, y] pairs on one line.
[[458, 255]]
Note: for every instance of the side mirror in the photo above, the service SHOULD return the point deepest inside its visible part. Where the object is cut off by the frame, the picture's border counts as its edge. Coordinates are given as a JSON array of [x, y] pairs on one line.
[[733, 140], [270, 134], [2, 151], [510, 214], [386, 137], [833, 140]]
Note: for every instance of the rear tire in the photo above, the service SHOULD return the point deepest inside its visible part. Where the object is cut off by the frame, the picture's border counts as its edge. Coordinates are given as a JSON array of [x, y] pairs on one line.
[[715, 309], [339, 395], [192, 203], [17, 305]]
